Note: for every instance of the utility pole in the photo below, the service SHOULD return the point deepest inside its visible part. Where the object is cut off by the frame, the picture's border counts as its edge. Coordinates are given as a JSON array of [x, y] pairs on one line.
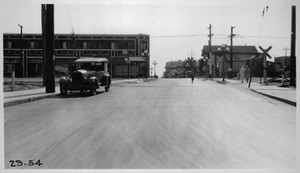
[[231, 47], [293, 48], [48, 49], [285, 49], [21, 49], [44, 45], [209, 46]]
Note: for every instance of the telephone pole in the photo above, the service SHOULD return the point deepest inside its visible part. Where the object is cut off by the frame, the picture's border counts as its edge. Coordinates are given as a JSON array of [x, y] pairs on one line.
[[21, 49], [48, 46], [293, 48], [44, 45], [231, 46], [209, 46]]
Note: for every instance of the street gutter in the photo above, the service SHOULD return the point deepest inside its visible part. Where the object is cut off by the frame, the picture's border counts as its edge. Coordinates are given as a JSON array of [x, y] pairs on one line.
[[276, 98]]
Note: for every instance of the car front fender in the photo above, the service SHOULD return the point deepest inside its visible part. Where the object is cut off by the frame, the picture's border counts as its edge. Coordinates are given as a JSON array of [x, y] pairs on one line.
[[92, 80], [105, 80], [63, 80]]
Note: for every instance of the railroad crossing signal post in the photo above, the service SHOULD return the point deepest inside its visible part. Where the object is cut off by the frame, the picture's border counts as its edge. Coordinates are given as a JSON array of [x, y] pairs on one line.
[[264, 55]]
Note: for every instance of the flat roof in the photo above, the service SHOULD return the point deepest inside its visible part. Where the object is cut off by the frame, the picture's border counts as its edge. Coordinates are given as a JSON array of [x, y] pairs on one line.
[[92, 60]]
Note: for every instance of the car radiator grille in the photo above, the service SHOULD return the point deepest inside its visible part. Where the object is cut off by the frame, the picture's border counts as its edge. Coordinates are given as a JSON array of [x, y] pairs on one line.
[[77, 78]]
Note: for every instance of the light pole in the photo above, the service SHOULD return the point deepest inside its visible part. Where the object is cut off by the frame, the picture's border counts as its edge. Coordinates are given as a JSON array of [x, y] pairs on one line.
[[223, 49], [154, 63], [21, 48]]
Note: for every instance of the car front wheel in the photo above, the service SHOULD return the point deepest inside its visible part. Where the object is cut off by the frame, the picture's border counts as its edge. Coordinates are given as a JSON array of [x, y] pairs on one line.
[[63, 92], [107, 87], [94, 89]]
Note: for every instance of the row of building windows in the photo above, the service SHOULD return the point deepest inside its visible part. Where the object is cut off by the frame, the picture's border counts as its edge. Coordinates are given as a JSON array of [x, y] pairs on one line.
[[103, 44]]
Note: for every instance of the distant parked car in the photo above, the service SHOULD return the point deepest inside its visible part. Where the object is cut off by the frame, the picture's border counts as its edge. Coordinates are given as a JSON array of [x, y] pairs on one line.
[[89, 74]]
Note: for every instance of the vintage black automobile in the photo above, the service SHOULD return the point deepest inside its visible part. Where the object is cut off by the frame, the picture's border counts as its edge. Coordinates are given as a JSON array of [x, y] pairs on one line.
[[89, 75]]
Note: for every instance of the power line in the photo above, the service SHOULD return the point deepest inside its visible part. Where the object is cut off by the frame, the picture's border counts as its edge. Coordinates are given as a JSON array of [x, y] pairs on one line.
[[160, 36], [217, 36], [274, 37]]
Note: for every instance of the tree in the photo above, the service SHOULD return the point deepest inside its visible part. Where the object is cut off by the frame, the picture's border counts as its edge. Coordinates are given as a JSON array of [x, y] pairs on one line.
[[190, 64]]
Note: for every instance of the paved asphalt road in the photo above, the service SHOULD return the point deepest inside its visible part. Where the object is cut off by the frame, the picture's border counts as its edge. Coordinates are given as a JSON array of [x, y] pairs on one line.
[[165, 123]]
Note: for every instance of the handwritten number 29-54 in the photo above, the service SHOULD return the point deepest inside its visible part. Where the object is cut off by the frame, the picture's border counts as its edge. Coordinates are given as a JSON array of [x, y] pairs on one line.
[[16, 163]]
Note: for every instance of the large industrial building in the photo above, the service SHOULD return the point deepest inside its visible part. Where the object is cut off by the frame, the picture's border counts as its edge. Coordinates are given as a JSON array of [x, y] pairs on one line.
[[128, 55]]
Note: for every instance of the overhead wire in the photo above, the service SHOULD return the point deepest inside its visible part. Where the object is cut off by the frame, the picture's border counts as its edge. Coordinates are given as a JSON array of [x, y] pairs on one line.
[[216, 36]]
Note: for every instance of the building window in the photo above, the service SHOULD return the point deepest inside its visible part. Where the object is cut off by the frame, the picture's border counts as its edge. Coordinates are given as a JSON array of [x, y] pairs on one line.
[[9, 45], [125, 44], [103, 44], [113, 45], [64, 46], [144, 46], [84, 45], [32, 45], [130, 45], [99, 45]]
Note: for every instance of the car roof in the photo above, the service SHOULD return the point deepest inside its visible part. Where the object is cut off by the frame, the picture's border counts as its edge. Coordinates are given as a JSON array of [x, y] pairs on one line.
[[92, 60]]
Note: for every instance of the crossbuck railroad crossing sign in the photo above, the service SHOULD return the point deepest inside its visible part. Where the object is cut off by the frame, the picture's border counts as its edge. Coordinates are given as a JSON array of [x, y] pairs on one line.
[[265, 51], [264, 55]]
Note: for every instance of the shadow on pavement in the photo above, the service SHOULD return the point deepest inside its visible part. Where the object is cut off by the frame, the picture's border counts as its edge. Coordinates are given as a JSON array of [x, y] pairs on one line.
[[78, 95]]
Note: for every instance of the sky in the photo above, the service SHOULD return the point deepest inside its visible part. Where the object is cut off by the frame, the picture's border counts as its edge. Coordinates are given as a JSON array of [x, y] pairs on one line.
[[178, 28]]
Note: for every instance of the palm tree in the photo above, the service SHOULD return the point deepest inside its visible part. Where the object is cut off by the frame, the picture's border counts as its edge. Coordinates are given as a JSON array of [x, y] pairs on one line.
[[190, 64]]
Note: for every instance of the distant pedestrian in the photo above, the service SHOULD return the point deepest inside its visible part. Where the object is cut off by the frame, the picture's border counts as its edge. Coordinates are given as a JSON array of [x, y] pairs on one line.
[[247, 73], [242, 73], [192, 76]]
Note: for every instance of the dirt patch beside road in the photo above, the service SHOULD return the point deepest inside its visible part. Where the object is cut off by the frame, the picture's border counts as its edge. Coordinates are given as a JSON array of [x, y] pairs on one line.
[[7, 87]]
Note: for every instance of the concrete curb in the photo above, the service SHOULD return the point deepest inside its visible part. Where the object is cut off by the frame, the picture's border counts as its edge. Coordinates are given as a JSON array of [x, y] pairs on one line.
[[277, 98], [16, 102]]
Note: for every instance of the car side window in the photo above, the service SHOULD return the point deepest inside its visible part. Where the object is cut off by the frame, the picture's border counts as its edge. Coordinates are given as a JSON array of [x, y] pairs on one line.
[[86, 66]]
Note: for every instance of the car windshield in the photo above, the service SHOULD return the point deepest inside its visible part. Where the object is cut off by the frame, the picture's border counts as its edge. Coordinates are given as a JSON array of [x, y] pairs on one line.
[[94, 66]]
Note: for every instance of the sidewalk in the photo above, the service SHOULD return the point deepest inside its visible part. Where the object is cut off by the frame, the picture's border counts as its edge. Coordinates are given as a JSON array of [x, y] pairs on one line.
[[285, 94], [23, 96]]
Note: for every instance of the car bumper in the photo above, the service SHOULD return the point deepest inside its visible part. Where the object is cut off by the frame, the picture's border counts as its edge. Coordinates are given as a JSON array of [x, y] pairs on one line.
[[76, 87]]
